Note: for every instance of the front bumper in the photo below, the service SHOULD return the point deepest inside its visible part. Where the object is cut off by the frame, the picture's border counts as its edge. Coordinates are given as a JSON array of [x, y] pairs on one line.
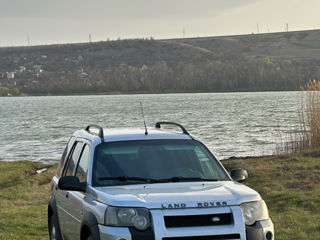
[[262, 230], [114, 233]]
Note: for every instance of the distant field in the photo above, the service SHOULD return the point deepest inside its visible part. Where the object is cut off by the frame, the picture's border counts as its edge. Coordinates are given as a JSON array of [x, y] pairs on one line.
[[290, 186]]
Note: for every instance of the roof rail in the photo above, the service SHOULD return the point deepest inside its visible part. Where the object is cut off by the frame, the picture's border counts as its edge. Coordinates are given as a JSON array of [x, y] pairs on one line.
[[100, 134], [158, 125]]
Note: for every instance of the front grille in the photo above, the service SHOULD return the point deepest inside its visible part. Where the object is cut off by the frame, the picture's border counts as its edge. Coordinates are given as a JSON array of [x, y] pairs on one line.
[[198, 220], [221, 237]]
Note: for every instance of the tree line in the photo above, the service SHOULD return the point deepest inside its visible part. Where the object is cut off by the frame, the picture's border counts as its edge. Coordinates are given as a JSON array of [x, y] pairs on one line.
[[160, 77]]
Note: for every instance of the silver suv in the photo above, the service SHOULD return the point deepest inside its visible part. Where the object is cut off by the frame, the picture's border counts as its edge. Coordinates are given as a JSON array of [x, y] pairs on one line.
[[150, 184]]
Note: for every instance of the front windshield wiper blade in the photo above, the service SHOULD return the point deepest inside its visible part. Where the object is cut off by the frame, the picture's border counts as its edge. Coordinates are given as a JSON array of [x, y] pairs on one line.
[[164, 180], [187, 179], [126, 178]]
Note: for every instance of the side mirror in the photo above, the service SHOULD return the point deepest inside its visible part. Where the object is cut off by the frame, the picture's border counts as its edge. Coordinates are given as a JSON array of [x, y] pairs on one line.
[[239, 175], [71, 183]]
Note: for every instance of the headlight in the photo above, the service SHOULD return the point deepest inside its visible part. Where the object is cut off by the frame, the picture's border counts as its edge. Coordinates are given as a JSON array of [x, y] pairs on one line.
[[127, 217], [254, 211]]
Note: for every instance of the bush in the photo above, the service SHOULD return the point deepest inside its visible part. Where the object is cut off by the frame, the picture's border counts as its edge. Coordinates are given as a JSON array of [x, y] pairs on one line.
[[312, 114], [307, 136], [14, 91], [4, 91], [268, 62]]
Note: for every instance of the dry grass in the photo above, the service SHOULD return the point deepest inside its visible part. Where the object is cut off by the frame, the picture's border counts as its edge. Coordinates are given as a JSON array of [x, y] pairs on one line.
[[307, 136]]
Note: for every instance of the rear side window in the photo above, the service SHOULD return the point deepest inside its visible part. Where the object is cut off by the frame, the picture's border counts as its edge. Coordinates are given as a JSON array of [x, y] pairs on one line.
[[82, 168], [72, 160], [64, 156]]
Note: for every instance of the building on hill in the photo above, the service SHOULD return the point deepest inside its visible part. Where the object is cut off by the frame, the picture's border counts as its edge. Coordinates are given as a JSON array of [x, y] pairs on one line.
[[10, 75], [80, 58], [144, 67], [22, 68], [84, 75], [37, 67]]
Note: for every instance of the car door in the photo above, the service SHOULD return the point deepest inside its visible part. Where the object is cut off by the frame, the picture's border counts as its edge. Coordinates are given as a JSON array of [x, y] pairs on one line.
[[69, 202], [76, 199]]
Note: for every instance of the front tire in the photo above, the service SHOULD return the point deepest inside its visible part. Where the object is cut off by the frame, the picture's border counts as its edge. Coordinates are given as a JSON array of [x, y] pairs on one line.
[[89, 237], [54, 231]]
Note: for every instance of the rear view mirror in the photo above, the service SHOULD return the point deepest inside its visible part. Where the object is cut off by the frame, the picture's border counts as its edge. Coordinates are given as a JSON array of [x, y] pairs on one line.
[[239, 175]]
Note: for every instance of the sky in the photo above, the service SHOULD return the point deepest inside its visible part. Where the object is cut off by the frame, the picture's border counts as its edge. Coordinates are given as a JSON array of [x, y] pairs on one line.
[[38, 22]]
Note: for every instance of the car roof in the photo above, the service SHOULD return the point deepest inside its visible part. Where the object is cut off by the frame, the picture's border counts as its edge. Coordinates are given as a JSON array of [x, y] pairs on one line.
[[129, 134]]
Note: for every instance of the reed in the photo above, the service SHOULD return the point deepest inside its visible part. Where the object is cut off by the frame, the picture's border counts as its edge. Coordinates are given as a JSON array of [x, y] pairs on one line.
[[307, 136]]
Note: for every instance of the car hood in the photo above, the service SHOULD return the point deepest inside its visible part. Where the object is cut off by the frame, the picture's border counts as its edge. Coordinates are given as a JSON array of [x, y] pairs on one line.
[[176, 195]]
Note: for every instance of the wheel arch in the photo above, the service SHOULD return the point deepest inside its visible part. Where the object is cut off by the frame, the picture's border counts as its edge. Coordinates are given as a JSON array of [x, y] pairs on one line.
[[52, 209], [53, 215], [89, 225], [85, 232]]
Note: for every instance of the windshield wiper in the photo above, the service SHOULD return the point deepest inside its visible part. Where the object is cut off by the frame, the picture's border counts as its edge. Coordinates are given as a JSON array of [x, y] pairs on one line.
[[187, 179], [164, 180], [126, 178]]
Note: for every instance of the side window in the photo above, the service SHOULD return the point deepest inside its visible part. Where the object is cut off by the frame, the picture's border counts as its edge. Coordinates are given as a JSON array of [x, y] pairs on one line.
[[73, 158], [82, 168], [64, 156]]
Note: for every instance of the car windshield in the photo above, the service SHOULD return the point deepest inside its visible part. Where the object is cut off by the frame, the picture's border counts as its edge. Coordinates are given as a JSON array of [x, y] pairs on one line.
[[132, 162]]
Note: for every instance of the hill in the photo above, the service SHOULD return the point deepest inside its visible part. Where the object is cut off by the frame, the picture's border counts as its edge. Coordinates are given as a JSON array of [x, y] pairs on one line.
[[256, 62], [300, 45]]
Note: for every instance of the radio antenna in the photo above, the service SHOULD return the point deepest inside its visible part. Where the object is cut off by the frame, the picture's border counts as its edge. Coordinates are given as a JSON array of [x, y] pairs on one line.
[[144, 120]]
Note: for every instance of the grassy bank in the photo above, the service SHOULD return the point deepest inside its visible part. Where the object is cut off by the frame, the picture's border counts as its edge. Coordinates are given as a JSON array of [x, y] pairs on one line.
[[24, 196], [290, 186]]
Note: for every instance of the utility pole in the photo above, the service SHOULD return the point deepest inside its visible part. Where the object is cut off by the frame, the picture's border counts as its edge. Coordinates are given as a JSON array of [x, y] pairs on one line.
[[90, 40], [28, 40], [183, 33], [258, 28], [287, 27]]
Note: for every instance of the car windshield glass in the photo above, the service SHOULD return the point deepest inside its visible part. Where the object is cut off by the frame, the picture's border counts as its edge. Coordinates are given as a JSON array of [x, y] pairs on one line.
[[132, 162]]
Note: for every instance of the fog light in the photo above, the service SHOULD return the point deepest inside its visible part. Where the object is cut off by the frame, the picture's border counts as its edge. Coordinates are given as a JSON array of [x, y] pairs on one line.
[[269, 236]]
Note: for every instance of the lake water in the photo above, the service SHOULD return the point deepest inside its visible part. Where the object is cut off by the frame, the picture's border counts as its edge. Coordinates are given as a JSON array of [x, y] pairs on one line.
[[231, 124]]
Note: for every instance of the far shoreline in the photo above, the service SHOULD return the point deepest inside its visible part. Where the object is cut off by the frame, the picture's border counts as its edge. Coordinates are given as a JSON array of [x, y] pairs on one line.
[[144, 93]]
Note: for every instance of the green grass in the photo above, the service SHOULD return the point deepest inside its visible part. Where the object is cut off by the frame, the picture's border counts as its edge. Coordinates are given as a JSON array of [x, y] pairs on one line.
[[290, 186], [24, 196]]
